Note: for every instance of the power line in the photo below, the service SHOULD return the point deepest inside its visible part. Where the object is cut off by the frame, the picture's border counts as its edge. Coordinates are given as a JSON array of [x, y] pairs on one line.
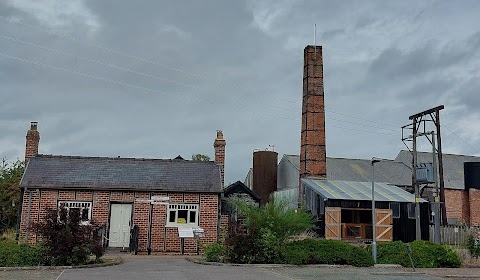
[[462, 140], [121, 53], [117, 67], [107, 64], [96, 77]]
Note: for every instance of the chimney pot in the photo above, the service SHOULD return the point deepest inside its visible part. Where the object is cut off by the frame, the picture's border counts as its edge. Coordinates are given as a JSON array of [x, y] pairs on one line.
[[33, 125]]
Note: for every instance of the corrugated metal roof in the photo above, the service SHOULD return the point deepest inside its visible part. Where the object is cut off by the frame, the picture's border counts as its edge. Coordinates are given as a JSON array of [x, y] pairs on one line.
[[345, 169], [453, 173], [102, 173], [349, 190]]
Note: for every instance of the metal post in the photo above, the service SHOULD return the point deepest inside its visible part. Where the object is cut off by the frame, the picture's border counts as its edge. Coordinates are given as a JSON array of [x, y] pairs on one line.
[[374, 220], [418, 233], [436, 205]]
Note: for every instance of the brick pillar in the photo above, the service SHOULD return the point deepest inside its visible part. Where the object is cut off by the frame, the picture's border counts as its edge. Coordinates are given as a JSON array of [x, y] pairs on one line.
[[33, 138], [474, 202], [312, 148], [219, 146]]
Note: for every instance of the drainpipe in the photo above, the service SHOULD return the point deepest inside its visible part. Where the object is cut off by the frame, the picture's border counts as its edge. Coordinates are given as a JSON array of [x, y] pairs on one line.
[[19, 217], [28, 212]]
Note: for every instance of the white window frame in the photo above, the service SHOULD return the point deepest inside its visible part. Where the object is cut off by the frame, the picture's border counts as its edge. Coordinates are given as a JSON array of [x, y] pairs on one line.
[[174, 208], [77, 204]]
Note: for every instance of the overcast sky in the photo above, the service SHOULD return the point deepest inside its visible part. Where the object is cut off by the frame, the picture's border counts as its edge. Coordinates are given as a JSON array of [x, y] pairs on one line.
[[156, 79]]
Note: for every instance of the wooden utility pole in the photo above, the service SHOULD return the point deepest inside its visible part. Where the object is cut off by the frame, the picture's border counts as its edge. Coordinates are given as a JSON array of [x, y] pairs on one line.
[[417, 120]]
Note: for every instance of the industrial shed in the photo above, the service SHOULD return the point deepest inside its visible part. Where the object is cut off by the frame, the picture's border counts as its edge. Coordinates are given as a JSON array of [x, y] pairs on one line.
[[343, 210]]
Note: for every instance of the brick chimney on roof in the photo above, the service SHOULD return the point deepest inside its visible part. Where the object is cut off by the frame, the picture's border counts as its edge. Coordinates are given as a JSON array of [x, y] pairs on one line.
[[219, 146], [312, 149], [33, 138]]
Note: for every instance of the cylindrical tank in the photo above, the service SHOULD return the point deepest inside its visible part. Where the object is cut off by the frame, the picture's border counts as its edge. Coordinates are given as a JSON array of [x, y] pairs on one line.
[[472, 175], [264, 174]]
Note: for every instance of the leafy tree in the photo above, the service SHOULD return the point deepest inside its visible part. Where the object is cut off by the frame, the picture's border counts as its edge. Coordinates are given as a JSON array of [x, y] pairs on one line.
[[200, 157], [10, 176], [66, 239]]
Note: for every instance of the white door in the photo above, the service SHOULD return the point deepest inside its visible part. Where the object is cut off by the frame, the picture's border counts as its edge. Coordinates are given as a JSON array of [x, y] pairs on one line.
[[119, 234]]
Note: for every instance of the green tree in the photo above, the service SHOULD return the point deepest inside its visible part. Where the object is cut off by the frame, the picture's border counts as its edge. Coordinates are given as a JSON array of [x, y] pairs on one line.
[[200, 157], [10, 176]]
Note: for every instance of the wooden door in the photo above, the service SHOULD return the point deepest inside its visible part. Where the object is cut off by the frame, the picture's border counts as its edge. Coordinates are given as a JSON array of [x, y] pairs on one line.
[[383, 225], [120, 216], [333, 219]]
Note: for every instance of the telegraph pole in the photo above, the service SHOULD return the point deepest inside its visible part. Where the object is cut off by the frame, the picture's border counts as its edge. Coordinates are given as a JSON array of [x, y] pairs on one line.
[[418, 120]]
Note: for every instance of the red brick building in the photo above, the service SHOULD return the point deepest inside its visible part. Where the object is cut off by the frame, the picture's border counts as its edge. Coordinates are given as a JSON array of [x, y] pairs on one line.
[[118, 193]]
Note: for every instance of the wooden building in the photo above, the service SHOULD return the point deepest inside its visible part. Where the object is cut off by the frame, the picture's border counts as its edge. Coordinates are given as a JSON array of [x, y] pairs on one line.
[[344, 210]]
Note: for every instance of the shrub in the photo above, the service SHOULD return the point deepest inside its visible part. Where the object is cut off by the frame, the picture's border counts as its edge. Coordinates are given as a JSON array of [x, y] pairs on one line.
[[424, 254], [473, 245], [267, 229], [13, 254], [213, 252], [66, 240], [315, 251]]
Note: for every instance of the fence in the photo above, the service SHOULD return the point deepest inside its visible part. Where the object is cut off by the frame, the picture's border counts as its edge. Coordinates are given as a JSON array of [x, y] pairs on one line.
[[455, 235]]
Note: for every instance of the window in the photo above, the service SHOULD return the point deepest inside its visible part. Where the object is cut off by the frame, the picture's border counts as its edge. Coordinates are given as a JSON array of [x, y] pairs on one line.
[[395, 206], [411, 210], [85, 208], [182, 214]]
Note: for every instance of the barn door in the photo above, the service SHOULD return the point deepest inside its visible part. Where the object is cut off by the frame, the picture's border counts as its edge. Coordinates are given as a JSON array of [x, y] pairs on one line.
[[333, 223], [384, 221]]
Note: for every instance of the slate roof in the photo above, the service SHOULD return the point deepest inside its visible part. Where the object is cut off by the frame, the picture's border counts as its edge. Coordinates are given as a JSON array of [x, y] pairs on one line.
[[136, 174], [345, 169], [452, 166], [239, 187], [348, 190]]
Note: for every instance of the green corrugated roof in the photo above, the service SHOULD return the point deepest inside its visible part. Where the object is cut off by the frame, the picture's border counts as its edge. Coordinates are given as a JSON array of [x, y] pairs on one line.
[[350, 190]]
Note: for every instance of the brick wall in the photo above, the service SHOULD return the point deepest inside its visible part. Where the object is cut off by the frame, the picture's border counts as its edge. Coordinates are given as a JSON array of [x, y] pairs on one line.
[[457, 205], [474, 201], [312, 148], [163, 239]]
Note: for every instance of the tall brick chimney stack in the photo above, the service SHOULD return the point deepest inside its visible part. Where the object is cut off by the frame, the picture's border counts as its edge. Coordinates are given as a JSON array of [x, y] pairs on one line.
[[219, 146], [33, 138], [312, 150]]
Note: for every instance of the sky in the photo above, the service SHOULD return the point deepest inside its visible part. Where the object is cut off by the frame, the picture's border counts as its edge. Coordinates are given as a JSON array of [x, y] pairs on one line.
[[156, 79]]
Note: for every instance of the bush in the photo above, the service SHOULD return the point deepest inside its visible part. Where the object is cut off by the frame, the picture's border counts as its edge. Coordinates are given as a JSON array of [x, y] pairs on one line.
[[424, 254], [473, 245], [315, 251], [267, 230], [66, 240], [213, 252], [13, 254]]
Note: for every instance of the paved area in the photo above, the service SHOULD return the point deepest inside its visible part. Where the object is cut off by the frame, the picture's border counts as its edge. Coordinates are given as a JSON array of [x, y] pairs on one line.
[[173, 268]]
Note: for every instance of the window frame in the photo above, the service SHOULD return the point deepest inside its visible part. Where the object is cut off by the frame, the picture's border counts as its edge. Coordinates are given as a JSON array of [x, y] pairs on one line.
[[69, 204], [410, 208], [176, 207], [396, 204]]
